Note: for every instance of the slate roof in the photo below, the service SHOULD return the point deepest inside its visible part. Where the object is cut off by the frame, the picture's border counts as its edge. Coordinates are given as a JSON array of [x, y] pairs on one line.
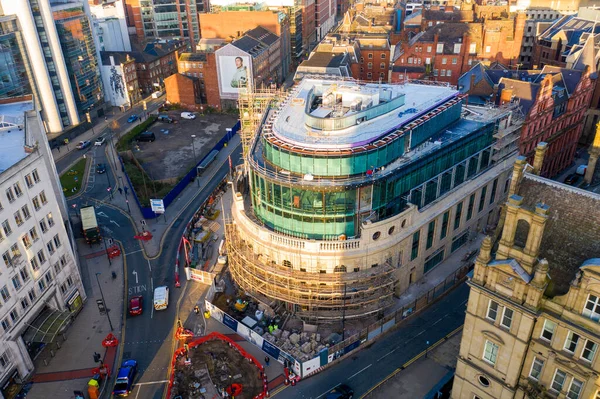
[[441, 15], [263, 35], [479, 71], [572, 230], [325, 60], [198, 56], [120, 57], [449, 33], [249, 45], [570, 77], [517, 268], [525, 91]]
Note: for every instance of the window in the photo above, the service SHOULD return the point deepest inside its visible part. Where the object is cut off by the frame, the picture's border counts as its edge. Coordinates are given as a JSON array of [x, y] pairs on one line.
[[370, 56], [440, 48], [50, 247], [50, 220], [6, 325], [575, 389], [14, 250], [470, 206], [369, 75], [26, 241], [18, 190], [444, 229], [43, 198], [488, 49], [589, 350], [34, 234], [429, 49], [32, 295], [458, 215], [24, 274], [69, 281], [430, 233], [7, 259], [382, 65], [473, 48], [490, 352], [492, 312], [14, 315], [507, 316], [448, 72], [42, 285], [16, 282], [536, 368], [5, 293], [370, 65], [63, 260], [443, 72], [18, 218], [6, 228], [36, 203], [493, 193], [43, 225], [592, 307], [482, 199], [559, 380], [41, 256], [548, 330], [454, 61], [26, 213], [48, 277], [36, 176], [28, 181], [571, 342], [10, 195], [415, 245], [444, 61], [57, 242], [34, 264], [24, 304], [383, 56]]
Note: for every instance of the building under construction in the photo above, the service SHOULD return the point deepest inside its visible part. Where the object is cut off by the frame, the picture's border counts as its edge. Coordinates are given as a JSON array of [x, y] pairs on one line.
[[350, 192]]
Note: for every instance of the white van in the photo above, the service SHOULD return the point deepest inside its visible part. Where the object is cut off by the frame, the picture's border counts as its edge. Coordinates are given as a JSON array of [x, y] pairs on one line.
[[161, 297], [188, 115]]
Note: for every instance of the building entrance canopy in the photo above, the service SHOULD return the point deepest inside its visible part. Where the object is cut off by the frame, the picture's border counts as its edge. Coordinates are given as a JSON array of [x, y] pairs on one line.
[[47, 326]]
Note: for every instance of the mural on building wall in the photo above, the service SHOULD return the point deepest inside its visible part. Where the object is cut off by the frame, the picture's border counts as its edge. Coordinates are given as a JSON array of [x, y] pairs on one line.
[[116, 82], [235, 71]]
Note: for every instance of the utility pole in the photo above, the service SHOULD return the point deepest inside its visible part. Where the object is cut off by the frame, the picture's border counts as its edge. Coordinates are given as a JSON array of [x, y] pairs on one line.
[[102, 295]]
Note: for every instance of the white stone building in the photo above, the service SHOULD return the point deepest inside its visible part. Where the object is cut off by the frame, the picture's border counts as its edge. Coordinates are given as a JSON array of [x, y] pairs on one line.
[[39, 275]]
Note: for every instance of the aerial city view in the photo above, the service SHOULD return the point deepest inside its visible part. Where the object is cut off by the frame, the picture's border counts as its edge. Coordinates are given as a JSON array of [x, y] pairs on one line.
[[311, 199]]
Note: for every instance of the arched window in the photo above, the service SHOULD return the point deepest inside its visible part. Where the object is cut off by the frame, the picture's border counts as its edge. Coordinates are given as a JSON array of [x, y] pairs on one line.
[[340, 269]]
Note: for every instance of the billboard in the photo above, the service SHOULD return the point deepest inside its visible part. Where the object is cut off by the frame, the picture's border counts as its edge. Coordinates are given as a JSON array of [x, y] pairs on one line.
[[234, 73]]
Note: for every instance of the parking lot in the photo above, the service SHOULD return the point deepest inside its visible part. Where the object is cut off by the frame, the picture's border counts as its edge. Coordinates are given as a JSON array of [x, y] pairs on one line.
[[171, 155]]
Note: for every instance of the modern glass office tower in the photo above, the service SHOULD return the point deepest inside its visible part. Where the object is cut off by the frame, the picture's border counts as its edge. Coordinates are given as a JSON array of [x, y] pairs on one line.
[[354, 191]]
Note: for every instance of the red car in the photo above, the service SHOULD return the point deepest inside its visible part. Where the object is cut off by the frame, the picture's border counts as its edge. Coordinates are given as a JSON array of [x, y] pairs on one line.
[[135, 305]]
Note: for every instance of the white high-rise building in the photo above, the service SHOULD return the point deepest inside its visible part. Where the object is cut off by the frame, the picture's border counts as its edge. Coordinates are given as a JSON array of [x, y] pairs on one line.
[[40, 282]]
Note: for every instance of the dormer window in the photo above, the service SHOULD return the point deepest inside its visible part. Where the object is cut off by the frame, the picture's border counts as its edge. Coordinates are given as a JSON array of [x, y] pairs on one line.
[[592, 307]]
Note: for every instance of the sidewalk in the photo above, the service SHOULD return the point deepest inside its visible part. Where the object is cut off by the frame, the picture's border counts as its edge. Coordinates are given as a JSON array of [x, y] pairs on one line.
[[423, 376], [70, 368], [158, 226]]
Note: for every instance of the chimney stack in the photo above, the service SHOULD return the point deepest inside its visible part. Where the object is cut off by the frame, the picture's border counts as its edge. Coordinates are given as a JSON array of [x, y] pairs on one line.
[[538, 160]]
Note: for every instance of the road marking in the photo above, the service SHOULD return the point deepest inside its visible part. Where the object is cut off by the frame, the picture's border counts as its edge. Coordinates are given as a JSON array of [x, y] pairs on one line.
[[112, 221], [329, 390], [136, 276], [149, 265], [137, 289], [151, 290], [104, 215], [151, 382], [133, 252], [358, 372]]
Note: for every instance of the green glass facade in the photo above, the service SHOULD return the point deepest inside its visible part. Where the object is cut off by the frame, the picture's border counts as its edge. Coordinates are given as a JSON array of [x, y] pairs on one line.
[[15, 72]]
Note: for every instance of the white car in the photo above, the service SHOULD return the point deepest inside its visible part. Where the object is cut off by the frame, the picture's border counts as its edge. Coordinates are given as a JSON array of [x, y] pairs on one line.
[[188, 115], [100, 140]]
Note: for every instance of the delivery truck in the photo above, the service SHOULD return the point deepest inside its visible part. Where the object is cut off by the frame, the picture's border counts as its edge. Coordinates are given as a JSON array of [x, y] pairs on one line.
[[89, 224]]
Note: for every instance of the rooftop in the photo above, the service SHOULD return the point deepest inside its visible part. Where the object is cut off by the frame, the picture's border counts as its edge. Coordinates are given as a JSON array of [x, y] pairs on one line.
[[374, 110], [12, 133], [572, 229]]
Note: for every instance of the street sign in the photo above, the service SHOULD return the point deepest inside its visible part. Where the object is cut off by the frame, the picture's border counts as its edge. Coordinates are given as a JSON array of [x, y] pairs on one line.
[[157, 206], [108, 189]]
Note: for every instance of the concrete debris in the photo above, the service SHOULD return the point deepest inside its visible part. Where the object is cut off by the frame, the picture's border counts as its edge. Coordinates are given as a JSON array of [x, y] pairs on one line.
[[294, 338]]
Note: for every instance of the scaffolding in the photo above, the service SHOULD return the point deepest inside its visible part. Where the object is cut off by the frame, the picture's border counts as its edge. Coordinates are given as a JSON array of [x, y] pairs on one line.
[[312, 296]]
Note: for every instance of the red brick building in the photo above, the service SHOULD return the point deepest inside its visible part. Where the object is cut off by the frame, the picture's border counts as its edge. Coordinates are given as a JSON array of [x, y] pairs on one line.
[[202, 66], [447, 50], [155, 63], [183, 90]]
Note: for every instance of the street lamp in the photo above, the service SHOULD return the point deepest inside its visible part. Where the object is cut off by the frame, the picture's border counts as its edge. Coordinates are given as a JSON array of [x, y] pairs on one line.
[[195, 161], [103, 301]]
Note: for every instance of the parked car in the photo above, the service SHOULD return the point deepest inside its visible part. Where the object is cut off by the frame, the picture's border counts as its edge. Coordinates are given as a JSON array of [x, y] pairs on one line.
[[188, 115], [136, 305], [101, 168], [157, 94], [132, 118], [146, 136], [100, 140], [165, 118], [572, 179], [83, 144], [342, 391], [125, 378]]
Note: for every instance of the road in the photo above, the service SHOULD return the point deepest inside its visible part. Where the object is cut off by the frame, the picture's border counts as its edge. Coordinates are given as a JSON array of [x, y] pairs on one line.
[[373, 364], [148, 337], [102, 129]]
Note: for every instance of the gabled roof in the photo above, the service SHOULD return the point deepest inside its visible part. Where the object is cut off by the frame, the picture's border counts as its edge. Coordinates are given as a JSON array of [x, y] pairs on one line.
[[479, 71], [263, 35], [250, 45], [514, 265], [569, 77], [526, 92]]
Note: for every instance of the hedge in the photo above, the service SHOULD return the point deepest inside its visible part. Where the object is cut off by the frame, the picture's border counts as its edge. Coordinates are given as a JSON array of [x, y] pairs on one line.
[[125, 141]]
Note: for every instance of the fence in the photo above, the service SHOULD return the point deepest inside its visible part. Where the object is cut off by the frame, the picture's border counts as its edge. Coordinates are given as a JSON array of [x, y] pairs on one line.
[[336, 352], [147, 212]]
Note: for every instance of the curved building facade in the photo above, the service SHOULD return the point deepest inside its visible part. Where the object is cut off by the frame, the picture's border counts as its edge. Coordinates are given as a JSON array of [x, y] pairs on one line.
[[338, 180]]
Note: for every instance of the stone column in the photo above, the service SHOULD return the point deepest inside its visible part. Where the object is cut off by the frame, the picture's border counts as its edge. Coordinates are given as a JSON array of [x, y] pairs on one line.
[[594, 152], [538, 160]]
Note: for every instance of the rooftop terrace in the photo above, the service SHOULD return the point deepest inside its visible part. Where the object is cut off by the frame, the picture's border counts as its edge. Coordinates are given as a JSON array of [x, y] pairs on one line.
[[12, 133], [331, 114]]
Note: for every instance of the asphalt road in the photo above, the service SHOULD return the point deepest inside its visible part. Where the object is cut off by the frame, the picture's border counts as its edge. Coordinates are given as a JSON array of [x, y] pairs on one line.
[[148, 337], [373, 364], [102, 129]]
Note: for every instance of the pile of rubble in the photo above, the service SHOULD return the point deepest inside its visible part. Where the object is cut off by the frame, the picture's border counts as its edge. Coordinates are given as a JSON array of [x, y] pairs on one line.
[[302, 347]]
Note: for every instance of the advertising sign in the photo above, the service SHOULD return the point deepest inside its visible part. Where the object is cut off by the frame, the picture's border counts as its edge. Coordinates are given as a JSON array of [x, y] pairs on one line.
[[270, 349], [230, 322], [234, 72], [157, 206]]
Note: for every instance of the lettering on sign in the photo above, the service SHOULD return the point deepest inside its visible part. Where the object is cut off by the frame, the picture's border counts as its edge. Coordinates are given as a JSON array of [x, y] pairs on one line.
[[137, 289]]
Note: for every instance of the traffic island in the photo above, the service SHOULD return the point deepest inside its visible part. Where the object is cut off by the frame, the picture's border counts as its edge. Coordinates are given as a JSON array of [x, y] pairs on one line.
[[72, 179], [212, 365]]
